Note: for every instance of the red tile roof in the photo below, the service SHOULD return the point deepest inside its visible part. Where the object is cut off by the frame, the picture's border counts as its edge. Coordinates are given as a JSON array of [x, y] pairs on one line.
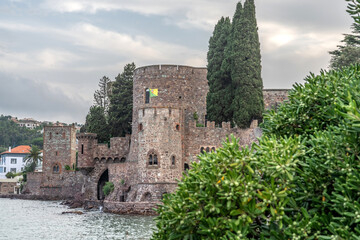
[[18, 149]]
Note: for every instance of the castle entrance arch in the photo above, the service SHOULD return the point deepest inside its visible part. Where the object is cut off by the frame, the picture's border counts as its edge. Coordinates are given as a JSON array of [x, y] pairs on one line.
[[102, 180]]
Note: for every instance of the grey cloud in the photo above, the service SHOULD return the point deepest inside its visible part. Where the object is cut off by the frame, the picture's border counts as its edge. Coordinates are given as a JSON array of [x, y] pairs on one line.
[[27, 98], [305, 15]]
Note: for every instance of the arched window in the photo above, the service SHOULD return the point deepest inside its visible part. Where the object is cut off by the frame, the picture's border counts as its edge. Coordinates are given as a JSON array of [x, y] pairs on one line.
[[56, 168], [207, 149], [50, 135], [140, 127], [147, 95], [202, 150], [153, 159], [213, 149], [82, 148], [173, 160]]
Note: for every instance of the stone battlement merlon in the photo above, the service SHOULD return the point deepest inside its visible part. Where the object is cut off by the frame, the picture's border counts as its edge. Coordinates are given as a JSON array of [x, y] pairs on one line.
[[224, 125], [86, 135], [164, 71]]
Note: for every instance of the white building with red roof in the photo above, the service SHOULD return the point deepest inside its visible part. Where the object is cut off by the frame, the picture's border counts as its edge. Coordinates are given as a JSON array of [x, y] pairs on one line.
[[13, 160]]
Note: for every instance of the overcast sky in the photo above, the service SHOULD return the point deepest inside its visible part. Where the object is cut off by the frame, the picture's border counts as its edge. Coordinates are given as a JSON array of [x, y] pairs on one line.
[[53, 52]]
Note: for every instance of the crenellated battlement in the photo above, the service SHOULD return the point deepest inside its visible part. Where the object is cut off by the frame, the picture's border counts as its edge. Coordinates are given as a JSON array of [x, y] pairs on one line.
[[164, 69], [224, 125], [86, 135]]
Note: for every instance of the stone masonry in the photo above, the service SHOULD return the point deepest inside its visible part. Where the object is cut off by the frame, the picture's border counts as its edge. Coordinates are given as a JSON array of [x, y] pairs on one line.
[[165, 140]]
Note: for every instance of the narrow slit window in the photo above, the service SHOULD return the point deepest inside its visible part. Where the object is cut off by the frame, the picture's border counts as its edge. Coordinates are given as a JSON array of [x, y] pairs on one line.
[[82, 148], [150, 160], [147, 95], [155, 160]]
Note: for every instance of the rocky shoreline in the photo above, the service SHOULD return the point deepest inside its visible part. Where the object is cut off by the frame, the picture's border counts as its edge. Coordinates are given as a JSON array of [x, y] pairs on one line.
[[122, 208]]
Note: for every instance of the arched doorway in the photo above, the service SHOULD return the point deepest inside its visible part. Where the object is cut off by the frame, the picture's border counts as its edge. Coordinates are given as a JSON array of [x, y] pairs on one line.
[[103, 179]]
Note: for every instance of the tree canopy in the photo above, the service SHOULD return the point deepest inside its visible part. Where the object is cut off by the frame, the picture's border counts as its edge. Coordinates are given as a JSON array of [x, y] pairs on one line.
[[12, 135], [349, 52], [121, 103], [102, 95], [96, 122], [111, 116], [33, 159], [234, 69]]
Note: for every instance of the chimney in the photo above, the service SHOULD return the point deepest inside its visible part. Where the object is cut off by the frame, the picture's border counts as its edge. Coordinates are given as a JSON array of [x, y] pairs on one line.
[[9, 149]]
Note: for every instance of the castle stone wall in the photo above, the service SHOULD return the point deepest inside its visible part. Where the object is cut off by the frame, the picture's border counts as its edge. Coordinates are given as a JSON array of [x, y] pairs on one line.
[[274, 97], [211, 137], [64, 186]]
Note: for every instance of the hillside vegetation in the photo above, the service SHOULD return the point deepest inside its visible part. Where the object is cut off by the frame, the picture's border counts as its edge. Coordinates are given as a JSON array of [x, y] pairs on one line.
[[12, 135]]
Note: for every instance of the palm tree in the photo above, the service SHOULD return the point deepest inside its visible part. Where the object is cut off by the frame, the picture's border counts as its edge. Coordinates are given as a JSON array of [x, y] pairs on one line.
[[33, 159]]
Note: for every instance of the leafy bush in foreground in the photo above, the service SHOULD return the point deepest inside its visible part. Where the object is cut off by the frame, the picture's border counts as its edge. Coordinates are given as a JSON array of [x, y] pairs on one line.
[[301, 181]]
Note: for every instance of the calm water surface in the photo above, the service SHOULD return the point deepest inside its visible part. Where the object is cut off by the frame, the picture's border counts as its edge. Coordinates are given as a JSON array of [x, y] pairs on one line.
[[28, 220]]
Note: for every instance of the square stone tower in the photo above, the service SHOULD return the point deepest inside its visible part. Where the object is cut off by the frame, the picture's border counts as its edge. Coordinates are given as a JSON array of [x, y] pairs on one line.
[[59, 149]]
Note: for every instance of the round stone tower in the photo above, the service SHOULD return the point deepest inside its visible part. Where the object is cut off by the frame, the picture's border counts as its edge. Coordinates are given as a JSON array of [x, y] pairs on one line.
[[165, 98]]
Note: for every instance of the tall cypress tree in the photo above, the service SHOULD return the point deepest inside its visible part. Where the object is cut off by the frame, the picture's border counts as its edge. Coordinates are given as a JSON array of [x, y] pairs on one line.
[[219, 80], [234, 69], [248, 103]]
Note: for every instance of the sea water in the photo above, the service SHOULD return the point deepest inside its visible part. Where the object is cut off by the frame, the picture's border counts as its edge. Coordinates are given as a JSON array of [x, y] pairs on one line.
[[30, 220]]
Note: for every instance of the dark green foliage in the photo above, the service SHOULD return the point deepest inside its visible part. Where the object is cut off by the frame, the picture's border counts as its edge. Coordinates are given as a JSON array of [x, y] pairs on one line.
[[245, 63], [102, 96], [10, 175], [349, 53], [354, 10], [67, 167], [312, 106], [108, 188], [24, 176], [121, 103], [302, 182], [219, 96], [231, 194], [96, 123], [112, 114], [13, 135], [234, 69]]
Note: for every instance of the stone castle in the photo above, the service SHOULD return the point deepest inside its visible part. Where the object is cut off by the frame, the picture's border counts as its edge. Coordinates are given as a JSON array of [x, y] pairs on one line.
[[145, 165]]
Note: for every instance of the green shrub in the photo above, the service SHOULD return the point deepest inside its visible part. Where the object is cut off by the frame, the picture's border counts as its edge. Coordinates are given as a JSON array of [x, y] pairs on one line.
[[10, 175], [200, 125], [301, 182], [108, 188], [67, 167], [196, 116], [24, 176]]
